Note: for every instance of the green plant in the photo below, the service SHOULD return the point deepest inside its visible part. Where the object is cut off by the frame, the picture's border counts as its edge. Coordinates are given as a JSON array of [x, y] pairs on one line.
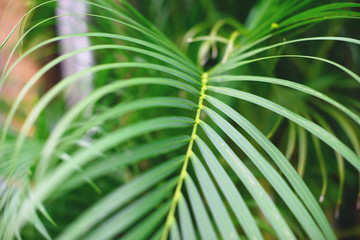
[[168, 147]]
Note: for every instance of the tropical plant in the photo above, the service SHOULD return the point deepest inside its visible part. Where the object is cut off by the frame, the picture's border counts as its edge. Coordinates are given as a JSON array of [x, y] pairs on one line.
[[190, 143]]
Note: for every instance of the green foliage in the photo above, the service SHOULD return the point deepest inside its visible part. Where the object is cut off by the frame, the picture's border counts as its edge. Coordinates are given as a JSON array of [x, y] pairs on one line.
[[197, 141]]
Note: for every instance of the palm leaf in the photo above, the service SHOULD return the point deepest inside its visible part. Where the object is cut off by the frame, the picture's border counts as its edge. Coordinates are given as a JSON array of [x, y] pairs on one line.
[[188, 163]]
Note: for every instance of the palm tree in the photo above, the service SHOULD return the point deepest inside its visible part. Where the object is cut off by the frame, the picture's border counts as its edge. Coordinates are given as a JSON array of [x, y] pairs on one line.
[[191, 143]]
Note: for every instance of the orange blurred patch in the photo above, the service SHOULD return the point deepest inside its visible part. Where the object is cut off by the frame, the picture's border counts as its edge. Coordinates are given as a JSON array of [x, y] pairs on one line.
[[12, 11]]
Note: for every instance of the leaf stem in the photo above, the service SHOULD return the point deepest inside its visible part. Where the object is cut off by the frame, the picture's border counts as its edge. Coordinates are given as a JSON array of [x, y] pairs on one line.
[[170, 217]]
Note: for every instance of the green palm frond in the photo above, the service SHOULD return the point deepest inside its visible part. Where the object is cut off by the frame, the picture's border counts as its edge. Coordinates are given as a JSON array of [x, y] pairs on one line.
[[171, 148]]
